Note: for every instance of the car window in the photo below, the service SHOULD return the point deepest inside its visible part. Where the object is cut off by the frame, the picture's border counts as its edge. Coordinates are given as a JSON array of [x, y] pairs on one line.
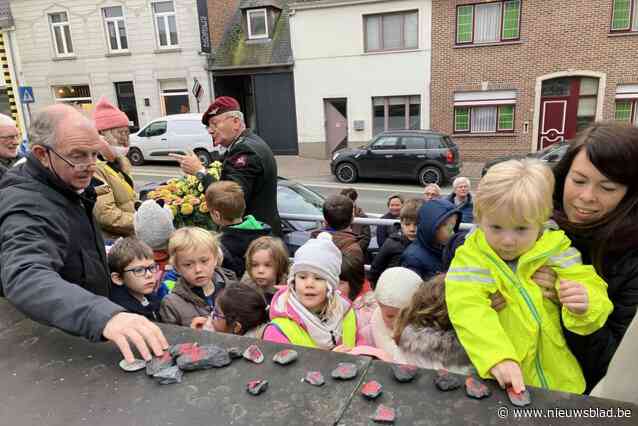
[[386, 142], [187, 127], [156, 129], [413, 142], [435, 142], [295, 199]]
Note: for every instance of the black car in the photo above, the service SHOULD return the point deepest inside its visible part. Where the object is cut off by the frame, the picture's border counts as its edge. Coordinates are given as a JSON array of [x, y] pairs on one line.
[[550, 155], [427, 156]]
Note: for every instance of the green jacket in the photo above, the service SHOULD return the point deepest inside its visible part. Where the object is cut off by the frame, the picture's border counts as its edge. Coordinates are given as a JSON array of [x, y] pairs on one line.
[[528, 329]]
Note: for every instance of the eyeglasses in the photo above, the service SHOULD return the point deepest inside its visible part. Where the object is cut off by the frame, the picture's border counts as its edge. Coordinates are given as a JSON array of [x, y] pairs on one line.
[[9, 138], [141, 271], [213, 126], [80, 167]]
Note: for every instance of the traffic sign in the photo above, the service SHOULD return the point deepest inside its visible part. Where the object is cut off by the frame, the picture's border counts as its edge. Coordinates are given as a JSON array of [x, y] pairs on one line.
[[197, 89], [26, 94]]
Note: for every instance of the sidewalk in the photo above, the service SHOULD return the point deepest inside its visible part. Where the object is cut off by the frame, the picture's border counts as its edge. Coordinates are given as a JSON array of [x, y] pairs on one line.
[[296, 167]]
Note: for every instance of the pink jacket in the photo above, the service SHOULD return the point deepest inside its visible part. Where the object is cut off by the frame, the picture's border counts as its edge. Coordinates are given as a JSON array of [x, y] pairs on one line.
[[272, 332]]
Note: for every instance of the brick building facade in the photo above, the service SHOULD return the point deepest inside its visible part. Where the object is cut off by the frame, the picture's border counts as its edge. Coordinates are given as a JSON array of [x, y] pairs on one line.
[[505, 86]]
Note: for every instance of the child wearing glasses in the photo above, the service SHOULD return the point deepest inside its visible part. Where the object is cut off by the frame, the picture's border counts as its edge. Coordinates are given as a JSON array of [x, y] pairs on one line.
[[196, 256], [133, 271]]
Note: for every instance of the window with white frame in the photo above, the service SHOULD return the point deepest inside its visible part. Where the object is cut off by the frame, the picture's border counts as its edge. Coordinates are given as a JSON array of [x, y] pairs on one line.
[[396, 112], [115, 28], [624, 17], [488, 22], [165, 24], [484, 112], [391, 31], [257, 23], [61, 32], [627, 104]]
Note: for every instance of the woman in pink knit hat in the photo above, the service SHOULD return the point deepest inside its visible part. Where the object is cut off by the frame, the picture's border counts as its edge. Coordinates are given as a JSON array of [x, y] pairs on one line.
[[115, 204]]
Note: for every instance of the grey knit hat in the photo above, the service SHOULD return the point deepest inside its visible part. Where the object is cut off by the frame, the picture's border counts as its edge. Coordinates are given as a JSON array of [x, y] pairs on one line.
[[319, 256], [153, 224]]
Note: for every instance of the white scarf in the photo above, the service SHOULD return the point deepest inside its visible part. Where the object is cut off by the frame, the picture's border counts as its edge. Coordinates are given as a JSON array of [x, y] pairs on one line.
[[382, 337], [324, 333]]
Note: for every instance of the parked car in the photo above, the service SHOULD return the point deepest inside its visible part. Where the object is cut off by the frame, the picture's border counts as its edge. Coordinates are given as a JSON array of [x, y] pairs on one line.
[[550, 155], [179, 134], [427, 156]]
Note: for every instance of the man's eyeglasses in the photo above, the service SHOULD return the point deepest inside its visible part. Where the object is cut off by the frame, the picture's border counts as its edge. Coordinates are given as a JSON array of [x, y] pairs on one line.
[[9, 138], [213, 126], [80, 167], [141, 271]]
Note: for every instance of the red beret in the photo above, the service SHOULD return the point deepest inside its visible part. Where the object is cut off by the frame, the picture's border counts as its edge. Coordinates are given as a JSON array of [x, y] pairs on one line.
[[221, 105]]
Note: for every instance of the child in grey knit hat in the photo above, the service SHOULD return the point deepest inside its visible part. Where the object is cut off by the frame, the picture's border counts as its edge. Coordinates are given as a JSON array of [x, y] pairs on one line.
[[153, 224]]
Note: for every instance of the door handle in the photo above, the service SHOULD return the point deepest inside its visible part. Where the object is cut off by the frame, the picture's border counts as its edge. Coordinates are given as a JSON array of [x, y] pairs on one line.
[[163, 139]]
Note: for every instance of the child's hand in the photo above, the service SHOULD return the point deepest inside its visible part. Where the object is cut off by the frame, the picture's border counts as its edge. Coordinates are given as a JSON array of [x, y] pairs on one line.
[[573, 296], [198, 323], [498, 301], [508, 373], [545, 278]]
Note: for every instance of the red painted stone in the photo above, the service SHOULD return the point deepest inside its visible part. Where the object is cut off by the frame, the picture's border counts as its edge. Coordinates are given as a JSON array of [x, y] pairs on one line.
[[474, 388], [384, 414], [521, 399], [314, 378], [254, 354], [202, 357], [404, 373], [345, 371], [285, 357], [255, 387], [445, 381], [371, 389], [182, 348]]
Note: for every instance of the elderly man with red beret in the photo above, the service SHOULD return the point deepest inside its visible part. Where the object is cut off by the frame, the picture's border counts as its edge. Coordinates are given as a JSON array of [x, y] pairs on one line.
[[248, 160]]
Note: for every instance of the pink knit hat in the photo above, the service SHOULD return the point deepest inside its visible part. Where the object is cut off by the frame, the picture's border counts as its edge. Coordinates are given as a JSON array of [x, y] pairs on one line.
[[107, 116]]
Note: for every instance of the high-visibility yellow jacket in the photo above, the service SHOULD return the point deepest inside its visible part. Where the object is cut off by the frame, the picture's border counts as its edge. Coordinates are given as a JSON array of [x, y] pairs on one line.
[[528, 329], [297, 335]]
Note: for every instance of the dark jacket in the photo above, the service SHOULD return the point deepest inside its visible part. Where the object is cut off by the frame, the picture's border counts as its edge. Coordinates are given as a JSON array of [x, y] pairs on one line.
[[250, 162], [53, 265], [121, 296], [185, 302], [389, 256], [466, 208], [236, 239], [384, 231], [594, 352], [424, 255], [6, 164], [346, 241], [362, 231]]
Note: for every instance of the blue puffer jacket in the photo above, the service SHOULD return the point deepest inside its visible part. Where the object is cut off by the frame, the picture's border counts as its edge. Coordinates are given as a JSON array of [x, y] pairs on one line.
[[424, 255], [466, 208]]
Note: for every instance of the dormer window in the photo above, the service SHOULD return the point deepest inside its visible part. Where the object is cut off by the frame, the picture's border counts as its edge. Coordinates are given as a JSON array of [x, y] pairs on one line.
[[257, 24]]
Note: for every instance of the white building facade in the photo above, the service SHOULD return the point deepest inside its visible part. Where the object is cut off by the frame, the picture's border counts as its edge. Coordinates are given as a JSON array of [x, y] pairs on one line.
[[144, 55], [361, 67]]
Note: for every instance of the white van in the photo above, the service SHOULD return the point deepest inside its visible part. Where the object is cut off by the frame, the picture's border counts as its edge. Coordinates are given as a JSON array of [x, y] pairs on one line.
[[179, 134]]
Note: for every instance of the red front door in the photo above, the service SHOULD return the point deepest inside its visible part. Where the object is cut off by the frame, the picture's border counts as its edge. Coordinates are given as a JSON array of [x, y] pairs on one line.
[[553, 120]]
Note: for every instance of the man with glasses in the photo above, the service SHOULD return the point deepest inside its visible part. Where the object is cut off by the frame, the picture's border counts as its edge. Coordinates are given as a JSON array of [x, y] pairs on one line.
[[53, 265], [9, 143], [248, 161]]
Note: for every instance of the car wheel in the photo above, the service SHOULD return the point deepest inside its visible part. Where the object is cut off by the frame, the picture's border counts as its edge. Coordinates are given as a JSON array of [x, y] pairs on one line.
[[203, 156], [430, 174], [346, 173], [135, 157]]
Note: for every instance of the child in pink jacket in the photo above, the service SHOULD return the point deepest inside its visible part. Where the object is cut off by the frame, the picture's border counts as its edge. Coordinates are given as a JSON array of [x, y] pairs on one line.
[[310, 311]]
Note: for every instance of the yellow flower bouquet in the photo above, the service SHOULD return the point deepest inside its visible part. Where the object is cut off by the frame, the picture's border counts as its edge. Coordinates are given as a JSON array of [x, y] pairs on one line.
[[186, 199]]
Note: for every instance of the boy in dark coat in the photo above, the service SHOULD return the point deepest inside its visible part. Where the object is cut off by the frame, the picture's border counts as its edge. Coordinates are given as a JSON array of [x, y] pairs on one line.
[[438, 222], [338, 212], [226, 205]]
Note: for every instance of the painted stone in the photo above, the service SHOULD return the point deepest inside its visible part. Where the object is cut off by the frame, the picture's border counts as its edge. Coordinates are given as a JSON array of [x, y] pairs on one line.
[[131, 367], [521, 399], [384, 414], [181, 349], [475, 388], [255, 387], [254, 354], [159, 363], [168, 376], [445, 381], [202, 357], [314, 378], [371, 389], [404, 373], [345, 371], [285, 357]]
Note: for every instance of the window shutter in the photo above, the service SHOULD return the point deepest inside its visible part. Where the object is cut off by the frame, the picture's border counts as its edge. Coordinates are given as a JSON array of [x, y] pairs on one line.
[[621, 16], [511, 14], [464, 16], [461, 119], [623, 111], [506, 117]]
